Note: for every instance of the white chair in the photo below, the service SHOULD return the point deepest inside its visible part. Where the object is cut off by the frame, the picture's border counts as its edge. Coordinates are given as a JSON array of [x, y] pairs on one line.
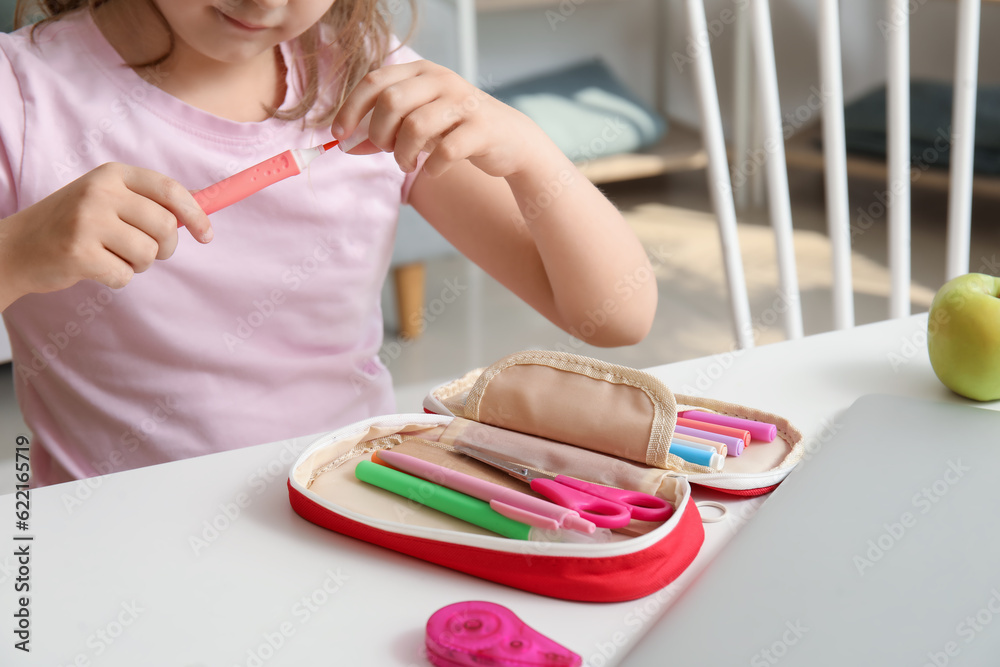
[[960, 197]]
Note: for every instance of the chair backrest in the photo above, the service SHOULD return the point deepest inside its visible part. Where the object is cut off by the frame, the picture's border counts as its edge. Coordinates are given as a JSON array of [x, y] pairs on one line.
[[896, 29]]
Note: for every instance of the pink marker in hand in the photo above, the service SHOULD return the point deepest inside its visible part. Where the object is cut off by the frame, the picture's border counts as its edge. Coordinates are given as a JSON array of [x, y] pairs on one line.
[[245, 183]]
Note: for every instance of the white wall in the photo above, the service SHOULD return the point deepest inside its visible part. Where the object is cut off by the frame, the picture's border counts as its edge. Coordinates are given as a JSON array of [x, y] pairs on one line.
[[518, 43]]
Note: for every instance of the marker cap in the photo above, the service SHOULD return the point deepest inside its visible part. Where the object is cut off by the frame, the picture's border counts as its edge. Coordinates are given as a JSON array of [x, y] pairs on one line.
[[359, 134]]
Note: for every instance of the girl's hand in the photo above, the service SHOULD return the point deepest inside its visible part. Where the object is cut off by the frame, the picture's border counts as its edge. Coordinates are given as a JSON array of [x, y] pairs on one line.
[[107, 225], [421, 106]]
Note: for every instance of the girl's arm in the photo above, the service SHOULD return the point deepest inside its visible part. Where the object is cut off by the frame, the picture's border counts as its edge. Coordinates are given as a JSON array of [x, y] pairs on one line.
[[552, 238], [506, 197]]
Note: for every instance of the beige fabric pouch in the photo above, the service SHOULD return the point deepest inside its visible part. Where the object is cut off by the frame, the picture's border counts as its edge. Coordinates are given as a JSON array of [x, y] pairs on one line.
[[568, 398], [623, 417]]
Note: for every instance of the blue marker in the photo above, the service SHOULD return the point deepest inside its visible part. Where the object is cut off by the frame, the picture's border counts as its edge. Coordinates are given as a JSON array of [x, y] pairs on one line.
[[692, 452]]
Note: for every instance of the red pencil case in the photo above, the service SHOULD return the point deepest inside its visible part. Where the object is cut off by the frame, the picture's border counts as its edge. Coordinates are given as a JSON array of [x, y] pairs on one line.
[[583, 407]]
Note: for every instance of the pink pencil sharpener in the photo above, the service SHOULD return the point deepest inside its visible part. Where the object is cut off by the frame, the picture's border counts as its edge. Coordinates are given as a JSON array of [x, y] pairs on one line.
[[477, 634]]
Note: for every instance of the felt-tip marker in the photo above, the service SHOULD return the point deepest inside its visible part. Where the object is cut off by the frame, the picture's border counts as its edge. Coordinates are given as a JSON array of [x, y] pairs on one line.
[[253, 179], [464, 507], [508, 502], [758, 430]]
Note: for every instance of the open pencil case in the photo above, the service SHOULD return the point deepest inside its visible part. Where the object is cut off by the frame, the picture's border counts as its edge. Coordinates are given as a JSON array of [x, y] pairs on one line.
[[557, 413]]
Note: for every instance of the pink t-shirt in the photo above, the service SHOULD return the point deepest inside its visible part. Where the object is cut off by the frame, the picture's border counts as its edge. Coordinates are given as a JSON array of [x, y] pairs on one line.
[[270, 331]]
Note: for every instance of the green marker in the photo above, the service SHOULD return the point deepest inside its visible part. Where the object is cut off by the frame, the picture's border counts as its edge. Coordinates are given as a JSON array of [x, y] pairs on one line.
[[442, 499]]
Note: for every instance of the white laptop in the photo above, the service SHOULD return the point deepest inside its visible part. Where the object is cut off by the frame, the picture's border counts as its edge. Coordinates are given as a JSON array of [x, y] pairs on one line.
[[882, 549]]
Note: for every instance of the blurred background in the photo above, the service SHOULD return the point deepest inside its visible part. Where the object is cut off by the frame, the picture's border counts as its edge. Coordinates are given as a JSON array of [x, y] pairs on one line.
[[646, 47]]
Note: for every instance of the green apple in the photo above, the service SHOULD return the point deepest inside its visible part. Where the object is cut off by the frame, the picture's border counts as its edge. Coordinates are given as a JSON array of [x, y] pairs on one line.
[[963, 336]]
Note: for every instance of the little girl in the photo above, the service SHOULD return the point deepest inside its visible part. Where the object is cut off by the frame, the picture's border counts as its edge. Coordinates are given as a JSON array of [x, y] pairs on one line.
[[263, 322]]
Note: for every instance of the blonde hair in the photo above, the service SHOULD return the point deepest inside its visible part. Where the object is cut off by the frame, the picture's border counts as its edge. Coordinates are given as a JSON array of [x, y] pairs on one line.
[[361, 43]]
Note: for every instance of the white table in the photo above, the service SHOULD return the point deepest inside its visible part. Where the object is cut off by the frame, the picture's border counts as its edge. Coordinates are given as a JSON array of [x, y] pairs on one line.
[[117, 580]]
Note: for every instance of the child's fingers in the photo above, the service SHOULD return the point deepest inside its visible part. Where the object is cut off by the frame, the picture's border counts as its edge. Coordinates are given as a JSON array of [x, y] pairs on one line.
[[395, 105], [134, 246], [421, 130], [461, 143], [172, 196], [363, 97], [111, 270], [152, 220]]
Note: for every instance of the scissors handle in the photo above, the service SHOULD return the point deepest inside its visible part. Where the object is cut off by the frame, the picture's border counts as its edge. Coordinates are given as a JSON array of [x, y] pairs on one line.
[[642, 506], [602, 512]]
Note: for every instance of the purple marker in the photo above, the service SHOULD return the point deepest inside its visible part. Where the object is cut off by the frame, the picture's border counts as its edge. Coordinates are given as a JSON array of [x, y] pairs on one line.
[[758, 430], [733, 445]]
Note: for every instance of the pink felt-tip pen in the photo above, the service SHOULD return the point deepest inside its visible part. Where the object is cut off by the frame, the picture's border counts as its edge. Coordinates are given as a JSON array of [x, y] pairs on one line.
[[758, 430], [508, 502], [245, 183]]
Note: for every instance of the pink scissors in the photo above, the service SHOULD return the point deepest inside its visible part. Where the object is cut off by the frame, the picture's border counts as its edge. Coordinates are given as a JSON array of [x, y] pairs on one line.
[[605, 506]]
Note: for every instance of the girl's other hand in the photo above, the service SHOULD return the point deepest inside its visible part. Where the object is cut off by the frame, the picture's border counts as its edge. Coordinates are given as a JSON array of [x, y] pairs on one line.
[[421, 106], [510, 201], [107, 225]]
